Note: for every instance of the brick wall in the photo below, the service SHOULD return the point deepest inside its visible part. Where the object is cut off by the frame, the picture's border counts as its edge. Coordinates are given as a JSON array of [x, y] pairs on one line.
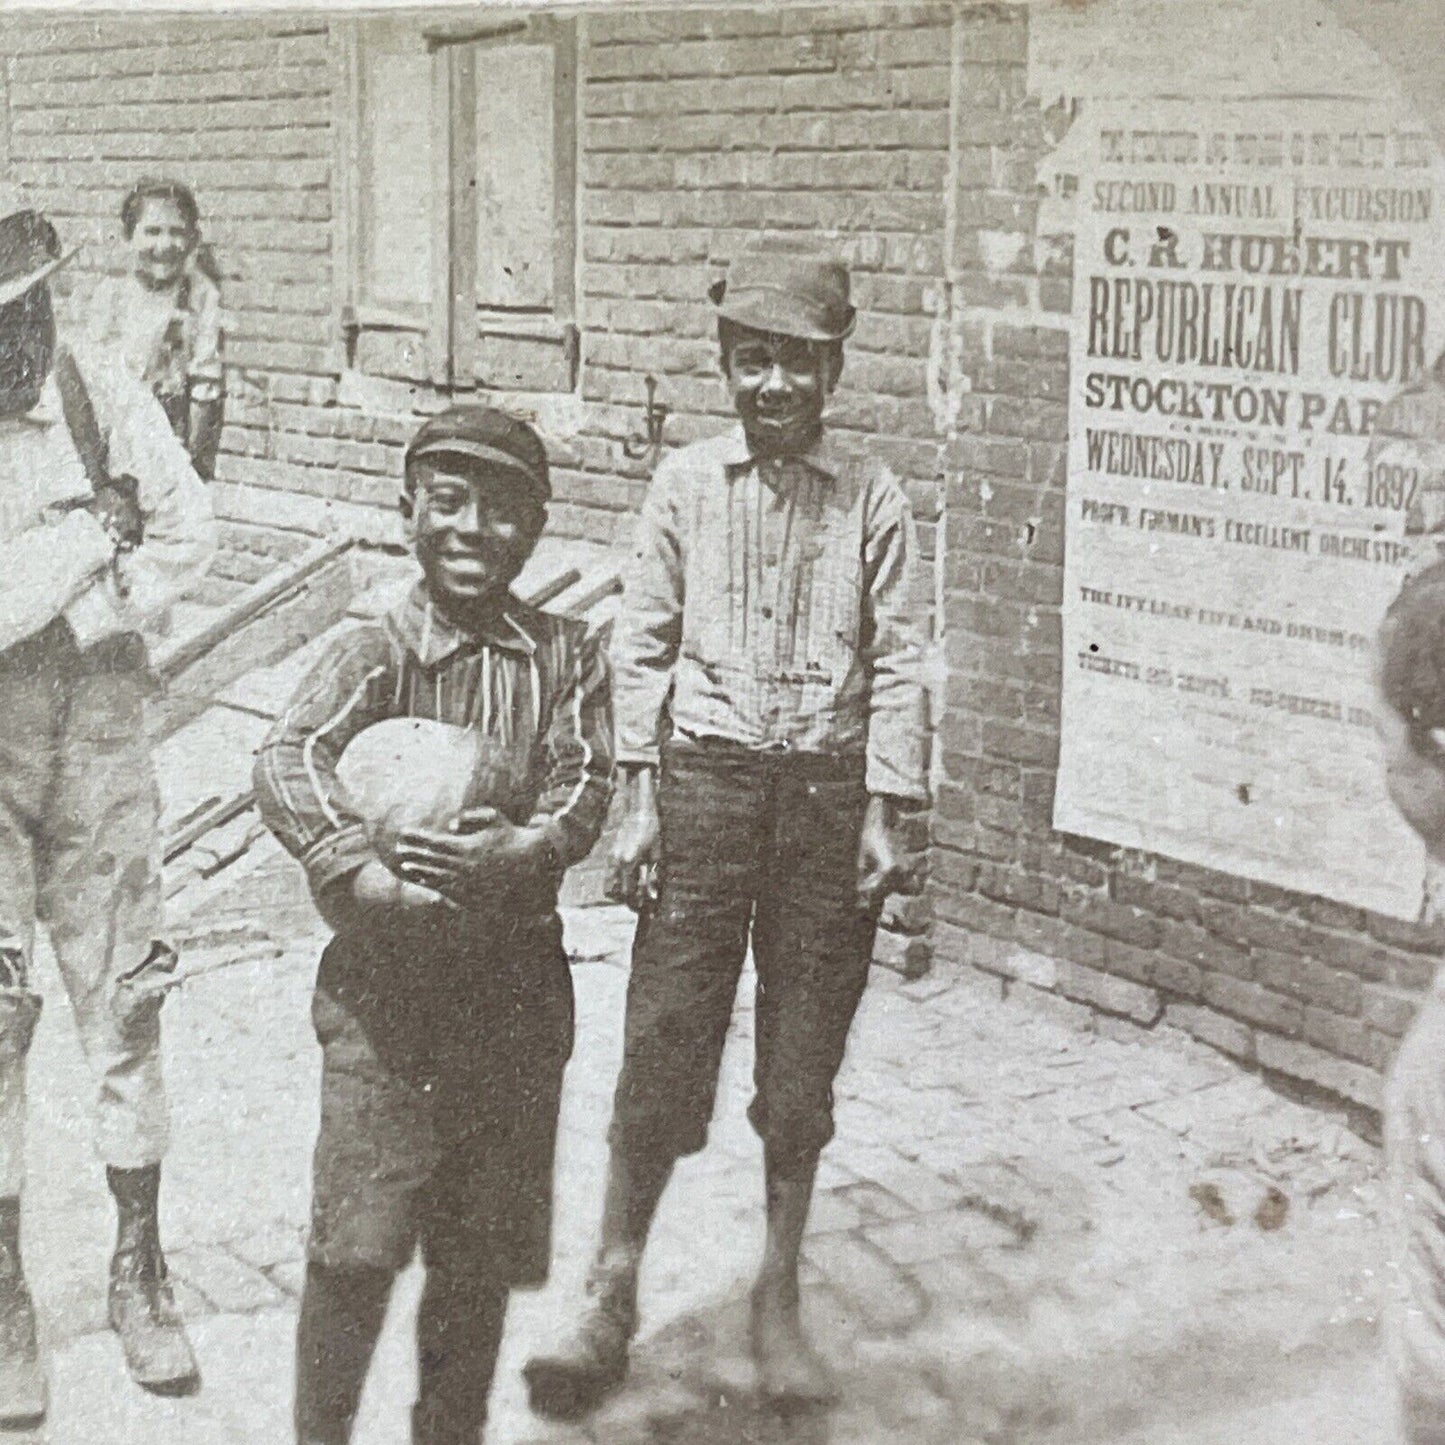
[[1297, 985], [240, 109], [904, 136], [705, 129], [699, 131]]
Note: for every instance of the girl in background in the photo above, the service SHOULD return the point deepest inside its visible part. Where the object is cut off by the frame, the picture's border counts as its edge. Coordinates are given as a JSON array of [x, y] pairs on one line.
[[164, 317]]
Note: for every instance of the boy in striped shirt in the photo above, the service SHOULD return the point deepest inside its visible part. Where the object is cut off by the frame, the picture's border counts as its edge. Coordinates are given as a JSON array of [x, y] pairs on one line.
[[443, 1003]]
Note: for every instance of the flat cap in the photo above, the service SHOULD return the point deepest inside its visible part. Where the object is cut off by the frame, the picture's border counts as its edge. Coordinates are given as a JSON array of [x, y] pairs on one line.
[[484, 434], [787, 293]]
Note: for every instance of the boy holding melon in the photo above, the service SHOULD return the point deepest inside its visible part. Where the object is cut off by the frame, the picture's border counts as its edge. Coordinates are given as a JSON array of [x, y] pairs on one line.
[[443, 1003]]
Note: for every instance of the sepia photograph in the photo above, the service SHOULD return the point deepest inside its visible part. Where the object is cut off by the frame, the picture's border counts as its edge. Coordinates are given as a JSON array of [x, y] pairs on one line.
[[722, 724]]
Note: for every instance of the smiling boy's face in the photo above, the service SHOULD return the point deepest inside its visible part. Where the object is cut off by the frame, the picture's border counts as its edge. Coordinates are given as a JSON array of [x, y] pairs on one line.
[[779, 385], [473, 531]]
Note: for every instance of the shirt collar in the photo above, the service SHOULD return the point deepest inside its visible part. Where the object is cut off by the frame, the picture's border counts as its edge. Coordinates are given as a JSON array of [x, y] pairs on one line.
[[432, 638], [822, 457]]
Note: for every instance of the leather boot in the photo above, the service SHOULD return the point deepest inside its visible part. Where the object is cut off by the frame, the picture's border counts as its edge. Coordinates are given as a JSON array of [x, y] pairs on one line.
[[22, 1381], [592, 1361], [142, 1307]]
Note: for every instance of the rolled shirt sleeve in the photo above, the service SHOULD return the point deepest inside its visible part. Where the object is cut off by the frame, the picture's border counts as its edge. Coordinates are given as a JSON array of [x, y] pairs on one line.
[[297, 791], [897, 747], [648, 628], [47, 570]]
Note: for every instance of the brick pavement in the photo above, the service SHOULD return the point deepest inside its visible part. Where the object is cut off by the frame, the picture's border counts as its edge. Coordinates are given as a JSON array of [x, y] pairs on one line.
[[1005, 1246]]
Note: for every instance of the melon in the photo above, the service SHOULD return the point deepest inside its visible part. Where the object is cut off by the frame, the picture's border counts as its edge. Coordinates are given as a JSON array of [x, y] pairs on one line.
[[412, 773]]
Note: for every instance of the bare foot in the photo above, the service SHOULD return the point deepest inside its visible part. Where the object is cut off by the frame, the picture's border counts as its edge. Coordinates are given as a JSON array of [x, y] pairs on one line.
[[790, 1370]]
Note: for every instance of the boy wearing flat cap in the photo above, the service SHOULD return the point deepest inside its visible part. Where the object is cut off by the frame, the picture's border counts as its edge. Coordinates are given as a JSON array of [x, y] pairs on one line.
[[767, 622], [103, 525], [443, 1003]]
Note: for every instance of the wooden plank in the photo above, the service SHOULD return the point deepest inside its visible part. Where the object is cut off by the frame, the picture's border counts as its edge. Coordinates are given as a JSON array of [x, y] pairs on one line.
[[344, 55], [461, 203], [585, 601], [554, 588], [439, 338], [263, 628], [194, 829], [516, 179], [174, 659], [439, 38], [392, 172], [564, 177]]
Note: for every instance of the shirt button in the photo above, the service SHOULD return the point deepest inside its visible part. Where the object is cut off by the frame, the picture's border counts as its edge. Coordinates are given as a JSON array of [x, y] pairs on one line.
[[767, 614]]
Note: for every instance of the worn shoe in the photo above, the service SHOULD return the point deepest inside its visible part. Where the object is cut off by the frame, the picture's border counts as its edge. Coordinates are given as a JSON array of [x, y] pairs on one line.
[[143, 1313], [22, 1381], [574, 1380], [791, 1374], [142, 1306]]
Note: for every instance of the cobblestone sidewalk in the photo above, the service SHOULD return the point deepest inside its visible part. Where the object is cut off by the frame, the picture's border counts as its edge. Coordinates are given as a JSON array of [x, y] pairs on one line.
[[1026, 1231]]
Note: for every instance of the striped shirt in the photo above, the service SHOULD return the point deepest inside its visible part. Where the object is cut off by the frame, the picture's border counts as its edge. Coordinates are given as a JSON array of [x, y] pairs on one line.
[[768, 603], [533, 684]]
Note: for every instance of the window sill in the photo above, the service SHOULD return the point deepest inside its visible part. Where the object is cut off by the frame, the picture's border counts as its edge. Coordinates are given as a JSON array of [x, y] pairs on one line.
[[386, 318], [523, 325], [518, 352]]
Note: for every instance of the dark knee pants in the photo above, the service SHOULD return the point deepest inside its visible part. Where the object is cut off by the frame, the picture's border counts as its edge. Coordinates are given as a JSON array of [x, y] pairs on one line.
[[752, 843], [443, 1059]]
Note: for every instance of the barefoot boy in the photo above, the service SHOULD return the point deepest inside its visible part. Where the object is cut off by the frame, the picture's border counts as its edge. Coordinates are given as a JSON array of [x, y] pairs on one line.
[[767, 616], [443, 1003]]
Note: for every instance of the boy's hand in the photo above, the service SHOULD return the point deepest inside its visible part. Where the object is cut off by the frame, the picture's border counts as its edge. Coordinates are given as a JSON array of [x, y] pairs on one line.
[[373, 890], [480, 855], [632, 876], [884, 865], [116, 506]]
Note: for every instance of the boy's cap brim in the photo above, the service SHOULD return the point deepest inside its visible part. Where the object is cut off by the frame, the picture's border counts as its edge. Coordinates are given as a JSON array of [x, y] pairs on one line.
[[489, 439], [477, 452], [17, 286]]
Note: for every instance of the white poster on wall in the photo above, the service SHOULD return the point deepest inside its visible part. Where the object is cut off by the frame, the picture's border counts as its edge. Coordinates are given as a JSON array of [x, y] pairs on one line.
[[1254, 282]]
